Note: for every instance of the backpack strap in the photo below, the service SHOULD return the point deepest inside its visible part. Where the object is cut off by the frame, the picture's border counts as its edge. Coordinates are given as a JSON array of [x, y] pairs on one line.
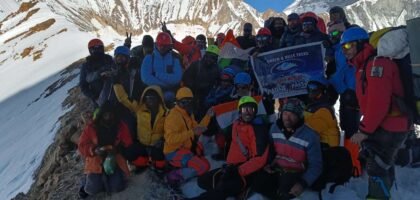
[[241, 145], [363, 78]]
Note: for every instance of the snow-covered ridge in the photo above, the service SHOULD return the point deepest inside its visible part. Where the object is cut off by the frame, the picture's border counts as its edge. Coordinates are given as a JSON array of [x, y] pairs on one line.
[[140, 17], [370, 14]]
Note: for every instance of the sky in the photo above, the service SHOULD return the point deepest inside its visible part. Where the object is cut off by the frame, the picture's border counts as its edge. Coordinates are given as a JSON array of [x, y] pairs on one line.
[[263, 5]]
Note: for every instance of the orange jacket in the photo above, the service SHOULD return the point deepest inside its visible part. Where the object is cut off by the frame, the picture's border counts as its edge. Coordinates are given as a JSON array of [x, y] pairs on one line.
[[178, 129], [189, 53], [249, 147], [89, 141]]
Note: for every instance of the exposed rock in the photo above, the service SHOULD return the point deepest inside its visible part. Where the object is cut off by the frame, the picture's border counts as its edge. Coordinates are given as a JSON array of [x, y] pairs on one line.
[[61, 171]]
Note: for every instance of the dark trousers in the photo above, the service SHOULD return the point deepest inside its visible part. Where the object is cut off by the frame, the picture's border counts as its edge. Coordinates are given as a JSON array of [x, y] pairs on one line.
[[219, 185], [277, 185], [96, 183], [139, 155], [380, 150]]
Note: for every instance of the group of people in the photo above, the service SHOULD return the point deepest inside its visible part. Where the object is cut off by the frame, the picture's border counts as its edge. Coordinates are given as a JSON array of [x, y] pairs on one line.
[[153, 103]]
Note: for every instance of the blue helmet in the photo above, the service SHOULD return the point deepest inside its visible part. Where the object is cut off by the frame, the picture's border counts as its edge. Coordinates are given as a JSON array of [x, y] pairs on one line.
[[354, 34], [122, 50], [242, 78]]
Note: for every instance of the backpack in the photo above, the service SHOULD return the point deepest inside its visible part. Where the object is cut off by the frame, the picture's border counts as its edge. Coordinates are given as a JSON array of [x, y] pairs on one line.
[[393, 44], [337, 168]]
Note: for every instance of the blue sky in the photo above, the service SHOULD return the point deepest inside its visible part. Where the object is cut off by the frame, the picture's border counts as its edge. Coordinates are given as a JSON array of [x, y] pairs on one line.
[[263, 5]]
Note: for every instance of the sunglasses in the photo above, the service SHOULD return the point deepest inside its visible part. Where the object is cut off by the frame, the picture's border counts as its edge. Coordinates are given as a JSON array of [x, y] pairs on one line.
[[185, 101], [335, 33], [307, 24], [150, 98], [247, 109], [247, 30], [262, 38], [348, 45]]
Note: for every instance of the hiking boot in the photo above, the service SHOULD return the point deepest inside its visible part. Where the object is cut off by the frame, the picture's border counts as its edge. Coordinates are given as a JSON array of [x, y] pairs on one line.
[[82, 193], [174, 177]]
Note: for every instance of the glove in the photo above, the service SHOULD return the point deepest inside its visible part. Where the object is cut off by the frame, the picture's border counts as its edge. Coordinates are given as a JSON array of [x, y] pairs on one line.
[[100, 151], [127, 41], [268, 102]]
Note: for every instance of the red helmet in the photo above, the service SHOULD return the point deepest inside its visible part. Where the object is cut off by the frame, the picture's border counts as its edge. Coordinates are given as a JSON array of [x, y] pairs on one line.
[[188, 40], [264, 31], [309, 14], [163, 39], [95, 42]]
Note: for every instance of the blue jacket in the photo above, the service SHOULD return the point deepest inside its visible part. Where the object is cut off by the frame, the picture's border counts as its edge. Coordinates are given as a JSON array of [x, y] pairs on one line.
[[164, 71], [344, 77], [300, 152]]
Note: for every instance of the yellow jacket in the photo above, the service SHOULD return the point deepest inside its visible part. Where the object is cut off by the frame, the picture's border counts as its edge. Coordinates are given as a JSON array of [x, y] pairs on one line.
[[325, 124], [146, 134], [179, 129]]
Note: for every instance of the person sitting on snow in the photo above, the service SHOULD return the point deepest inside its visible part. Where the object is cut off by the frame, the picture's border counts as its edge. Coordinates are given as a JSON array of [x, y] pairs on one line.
[[100, 145], [297, 161], [150, 112], [181, 148], [247, 155]]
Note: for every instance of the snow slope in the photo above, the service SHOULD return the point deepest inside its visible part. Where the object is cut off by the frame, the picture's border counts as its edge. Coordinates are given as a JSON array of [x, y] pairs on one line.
[[28, 111], [7, 7]]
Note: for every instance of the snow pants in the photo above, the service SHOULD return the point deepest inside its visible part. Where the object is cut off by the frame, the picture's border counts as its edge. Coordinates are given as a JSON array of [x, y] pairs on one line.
[[190, 164], [380, 150], [96, 183]]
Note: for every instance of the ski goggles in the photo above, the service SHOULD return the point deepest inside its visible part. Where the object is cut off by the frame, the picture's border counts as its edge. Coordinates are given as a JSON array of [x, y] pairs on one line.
[[348, 45], [262, 38], [335, 33], [247, 109], [185, 101]]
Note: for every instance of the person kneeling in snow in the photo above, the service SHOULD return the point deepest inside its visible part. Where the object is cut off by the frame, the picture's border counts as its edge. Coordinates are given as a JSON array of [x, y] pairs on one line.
[[181, 132], [100, 145], [297, 162], [247, 155]]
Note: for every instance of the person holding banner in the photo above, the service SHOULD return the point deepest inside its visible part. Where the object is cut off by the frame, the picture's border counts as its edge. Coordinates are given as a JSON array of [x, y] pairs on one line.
[[181, 148], [247, 155], [310, 32], [264, 40]]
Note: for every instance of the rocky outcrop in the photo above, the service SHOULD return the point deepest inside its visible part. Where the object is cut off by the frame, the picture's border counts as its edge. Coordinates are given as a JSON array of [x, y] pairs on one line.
[[60, 174]]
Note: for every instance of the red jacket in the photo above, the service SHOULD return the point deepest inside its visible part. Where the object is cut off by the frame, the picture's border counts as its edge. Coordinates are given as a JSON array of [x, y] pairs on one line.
[[254, 144], [375, 95], [189, 53], [89, 141]]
